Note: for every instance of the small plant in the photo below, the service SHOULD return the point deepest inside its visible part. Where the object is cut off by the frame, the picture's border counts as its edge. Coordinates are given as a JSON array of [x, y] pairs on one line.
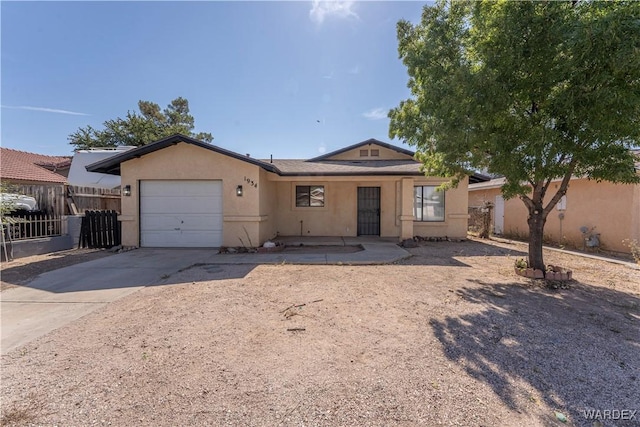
[[634, 246], [244, 246], [521, 264]]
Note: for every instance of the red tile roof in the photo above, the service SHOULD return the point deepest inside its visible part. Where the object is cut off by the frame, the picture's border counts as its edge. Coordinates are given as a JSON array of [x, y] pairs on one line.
[[20, 165]]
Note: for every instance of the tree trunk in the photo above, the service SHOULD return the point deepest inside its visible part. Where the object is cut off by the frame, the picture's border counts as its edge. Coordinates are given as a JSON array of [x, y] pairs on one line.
[[536, 220]]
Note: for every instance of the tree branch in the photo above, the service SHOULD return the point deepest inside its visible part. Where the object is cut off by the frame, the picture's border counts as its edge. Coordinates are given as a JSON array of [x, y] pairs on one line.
[[563, 188], [527, 201]]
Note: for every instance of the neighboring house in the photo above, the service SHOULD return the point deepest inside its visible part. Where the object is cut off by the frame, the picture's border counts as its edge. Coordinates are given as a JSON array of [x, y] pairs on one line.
[[20, 167], [180, 192], [612, 210]]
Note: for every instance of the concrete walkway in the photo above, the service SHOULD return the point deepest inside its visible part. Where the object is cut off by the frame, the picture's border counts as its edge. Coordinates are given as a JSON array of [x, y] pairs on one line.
[[376, 250]]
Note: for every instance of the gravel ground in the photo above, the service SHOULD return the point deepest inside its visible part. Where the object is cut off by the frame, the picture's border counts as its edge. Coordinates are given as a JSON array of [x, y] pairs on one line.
[[449, 337]]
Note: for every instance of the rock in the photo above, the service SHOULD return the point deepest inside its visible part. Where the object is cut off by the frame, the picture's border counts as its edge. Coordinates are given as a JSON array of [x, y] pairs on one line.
[[409, 243]]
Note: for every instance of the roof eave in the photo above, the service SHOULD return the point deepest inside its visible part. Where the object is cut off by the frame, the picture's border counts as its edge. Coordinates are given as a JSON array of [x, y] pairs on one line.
[[111, 165], [374, 173]]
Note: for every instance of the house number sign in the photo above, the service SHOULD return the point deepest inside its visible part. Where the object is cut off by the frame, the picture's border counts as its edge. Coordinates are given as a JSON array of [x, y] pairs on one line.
[[251, 182]]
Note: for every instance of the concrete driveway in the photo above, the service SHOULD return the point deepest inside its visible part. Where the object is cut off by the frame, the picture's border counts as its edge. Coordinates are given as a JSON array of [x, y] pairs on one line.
[[58, 297]]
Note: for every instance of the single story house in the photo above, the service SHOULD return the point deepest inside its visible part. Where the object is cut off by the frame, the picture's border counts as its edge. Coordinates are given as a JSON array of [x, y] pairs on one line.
[[181, 192], [612, 210]]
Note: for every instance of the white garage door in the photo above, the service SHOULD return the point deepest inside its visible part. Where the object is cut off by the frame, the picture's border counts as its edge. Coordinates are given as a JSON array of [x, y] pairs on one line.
[[181, 214]]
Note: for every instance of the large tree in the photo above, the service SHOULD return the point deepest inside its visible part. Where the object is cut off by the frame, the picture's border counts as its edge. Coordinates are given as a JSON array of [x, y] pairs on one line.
[[536, 92], [137, 129]]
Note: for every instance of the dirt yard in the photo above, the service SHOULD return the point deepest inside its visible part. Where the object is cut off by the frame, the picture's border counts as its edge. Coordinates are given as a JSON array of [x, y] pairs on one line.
[[448, 337]]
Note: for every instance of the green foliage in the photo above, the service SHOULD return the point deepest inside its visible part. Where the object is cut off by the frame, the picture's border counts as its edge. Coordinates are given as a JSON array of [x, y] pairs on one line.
[[521, 264], [532, 91], [138, 129]]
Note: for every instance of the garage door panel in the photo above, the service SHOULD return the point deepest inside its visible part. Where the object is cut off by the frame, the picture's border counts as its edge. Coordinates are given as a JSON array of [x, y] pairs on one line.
[[194, 221], [180, 239], [185, 188], [157, 222], [182, 205], [159, 239], [181, 213]]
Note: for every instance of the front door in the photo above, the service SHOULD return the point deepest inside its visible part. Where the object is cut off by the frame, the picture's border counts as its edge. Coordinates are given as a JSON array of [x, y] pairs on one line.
[[368, 211]]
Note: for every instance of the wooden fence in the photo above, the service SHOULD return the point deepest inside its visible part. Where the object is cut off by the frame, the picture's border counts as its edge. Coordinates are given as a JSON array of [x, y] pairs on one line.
[[100, 229], [51, 199], [89, 198], [59, 199]]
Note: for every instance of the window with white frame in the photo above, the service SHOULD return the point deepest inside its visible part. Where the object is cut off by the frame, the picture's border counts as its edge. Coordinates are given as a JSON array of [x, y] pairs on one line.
[[309, 196], [428, 204]]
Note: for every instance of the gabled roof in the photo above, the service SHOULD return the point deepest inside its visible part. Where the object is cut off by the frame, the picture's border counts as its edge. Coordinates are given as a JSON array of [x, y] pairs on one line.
[[112, 164], [318, 166], [347, 167], [360, 144], [23, 166]]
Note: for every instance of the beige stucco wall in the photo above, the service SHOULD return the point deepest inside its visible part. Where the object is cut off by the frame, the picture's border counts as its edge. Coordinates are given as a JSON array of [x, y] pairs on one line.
[[339, 215], [613, 209], [268, 206], [456, 209], [385, 154], [190, 162]]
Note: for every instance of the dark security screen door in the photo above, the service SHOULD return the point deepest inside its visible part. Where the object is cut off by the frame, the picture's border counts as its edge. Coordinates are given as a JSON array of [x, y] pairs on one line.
[[368, 211]]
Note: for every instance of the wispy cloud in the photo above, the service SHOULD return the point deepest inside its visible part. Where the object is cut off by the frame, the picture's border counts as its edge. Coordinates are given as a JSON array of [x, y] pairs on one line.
[[44, 110], [375, 114], [321, 9], [354, 70], [328, 76]]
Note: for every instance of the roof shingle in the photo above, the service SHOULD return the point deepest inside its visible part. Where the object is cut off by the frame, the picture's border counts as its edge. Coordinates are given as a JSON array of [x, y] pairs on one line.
[[347, 167]]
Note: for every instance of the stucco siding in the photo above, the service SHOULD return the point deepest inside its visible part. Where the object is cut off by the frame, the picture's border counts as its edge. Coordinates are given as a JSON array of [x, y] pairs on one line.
[[456, 213], [188, 162], [613, 209], [340, 214], [268, 206], [384, 153]]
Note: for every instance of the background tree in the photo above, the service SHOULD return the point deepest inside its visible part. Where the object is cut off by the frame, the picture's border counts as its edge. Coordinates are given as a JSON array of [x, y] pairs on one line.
[[137, 129], [532, 91]]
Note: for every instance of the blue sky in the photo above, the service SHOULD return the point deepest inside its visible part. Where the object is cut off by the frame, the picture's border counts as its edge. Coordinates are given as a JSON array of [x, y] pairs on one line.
[[292, 79]]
